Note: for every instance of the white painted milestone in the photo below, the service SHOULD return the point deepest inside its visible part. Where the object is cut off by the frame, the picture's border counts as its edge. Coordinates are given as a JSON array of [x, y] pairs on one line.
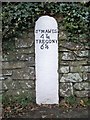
[[46, 60]]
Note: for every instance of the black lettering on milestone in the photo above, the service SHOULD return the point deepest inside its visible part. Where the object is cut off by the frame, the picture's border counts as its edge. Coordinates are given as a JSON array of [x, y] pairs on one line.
[[46, 46], [54, 30], [49, 31], [39, 30], [46, 41], [42, 36], [40, 41], [43, 41], [47, 36], [53, 41], [42, 31], [36, 41], [42, 46], [56, 41], [50, 41], [46, 31], [36, 31]]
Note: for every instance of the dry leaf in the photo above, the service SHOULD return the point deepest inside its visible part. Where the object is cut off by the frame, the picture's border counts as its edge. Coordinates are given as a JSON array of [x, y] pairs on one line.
[[82, 103], [66, 105], [44, 116]]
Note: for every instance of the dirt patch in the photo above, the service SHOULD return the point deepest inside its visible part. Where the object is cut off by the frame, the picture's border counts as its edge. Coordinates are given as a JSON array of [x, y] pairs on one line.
[[56, 112], [45, 111]]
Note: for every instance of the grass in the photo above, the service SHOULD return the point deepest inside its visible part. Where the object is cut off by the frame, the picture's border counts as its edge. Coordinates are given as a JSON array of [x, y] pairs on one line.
[[22, 100], [73, 101]]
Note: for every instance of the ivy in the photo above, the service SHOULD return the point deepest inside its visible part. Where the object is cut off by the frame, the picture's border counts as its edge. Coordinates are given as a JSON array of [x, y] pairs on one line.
[[19, 17]]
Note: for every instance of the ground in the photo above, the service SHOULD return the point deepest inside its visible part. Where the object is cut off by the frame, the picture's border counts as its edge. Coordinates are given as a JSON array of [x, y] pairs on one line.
[[46, 111], [56, 112]]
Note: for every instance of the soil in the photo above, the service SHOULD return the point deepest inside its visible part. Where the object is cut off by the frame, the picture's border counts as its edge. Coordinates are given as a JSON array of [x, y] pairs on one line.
[[53, 112]]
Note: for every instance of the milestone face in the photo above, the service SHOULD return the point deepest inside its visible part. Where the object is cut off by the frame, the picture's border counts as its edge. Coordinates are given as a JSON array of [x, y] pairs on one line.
[[46, 59]]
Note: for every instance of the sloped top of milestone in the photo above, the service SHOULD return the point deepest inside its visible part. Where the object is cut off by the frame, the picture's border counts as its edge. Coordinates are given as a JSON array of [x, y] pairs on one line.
[[46, 21]]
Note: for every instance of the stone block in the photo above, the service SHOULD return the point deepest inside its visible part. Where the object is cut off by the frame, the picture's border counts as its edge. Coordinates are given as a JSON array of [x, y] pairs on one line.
[[27, 84], [66, 89], [61, 49], [1, 91], [80, 58], [82, 86], [85, 76], [62, 63], [0, 57], [71, 77], [0, 85], [2, 78], [83, 93], [71, 45], [10, 84], [0, 67], [85, 69], [21, 92], [19, 54], [0, 73], [30, 33], [25, 57], [67, 56], [25, 50], [10, 56], [30, 63], [25, 73], [25, 42], [83, 53], [79, 68], [0, 104], [13, 65], [64, 69], [60, 75], [78, 63], [7, 72]]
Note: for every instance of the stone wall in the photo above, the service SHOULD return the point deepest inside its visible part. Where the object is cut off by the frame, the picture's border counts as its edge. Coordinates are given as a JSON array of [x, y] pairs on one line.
[[73, 70], [18, 67]]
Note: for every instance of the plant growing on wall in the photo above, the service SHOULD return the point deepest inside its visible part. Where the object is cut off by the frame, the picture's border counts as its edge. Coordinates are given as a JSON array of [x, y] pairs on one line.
[[19, 17]]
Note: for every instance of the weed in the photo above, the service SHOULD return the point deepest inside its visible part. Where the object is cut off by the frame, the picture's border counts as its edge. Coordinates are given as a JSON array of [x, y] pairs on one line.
[[23, 100], [71, 100]]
